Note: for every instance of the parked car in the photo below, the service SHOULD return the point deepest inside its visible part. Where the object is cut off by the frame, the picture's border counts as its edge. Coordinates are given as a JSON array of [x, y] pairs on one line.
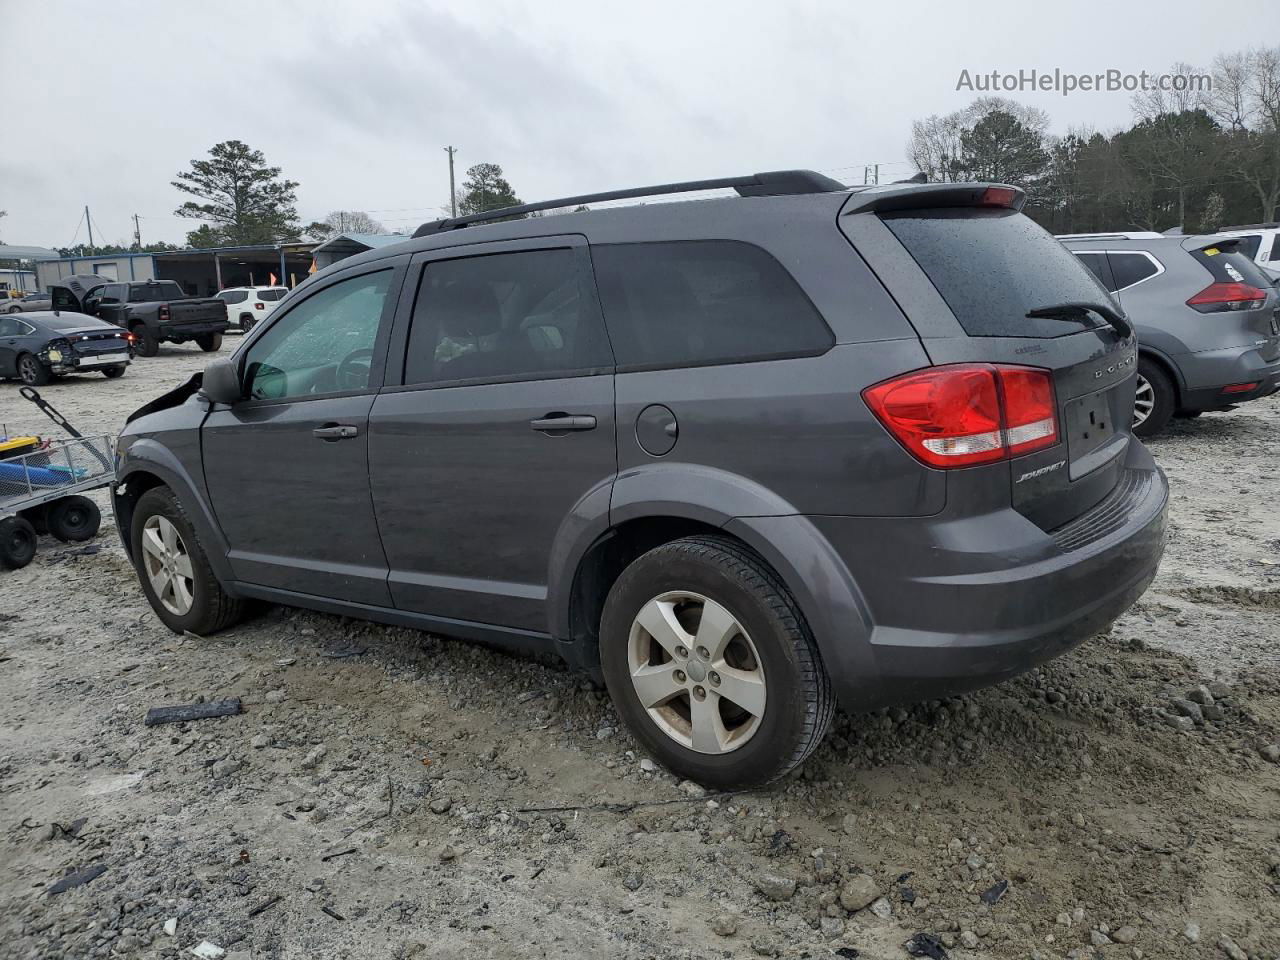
[[247, 305], [27, 303], [738, 458], [154, 311], [1260, 241], [1208, 320], [36, 347]]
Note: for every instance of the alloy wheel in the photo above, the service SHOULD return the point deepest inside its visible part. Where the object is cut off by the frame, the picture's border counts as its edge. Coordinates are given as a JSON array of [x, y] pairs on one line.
[[1144, 400], [168, 565], [696, 672], [29, 369]]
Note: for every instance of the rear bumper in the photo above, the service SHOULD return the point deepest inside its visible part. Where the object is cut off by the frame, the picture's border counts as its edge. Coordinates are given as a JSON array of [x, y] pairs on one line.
[[88, 363], [957, 604], [178, 333], [1206, 374]]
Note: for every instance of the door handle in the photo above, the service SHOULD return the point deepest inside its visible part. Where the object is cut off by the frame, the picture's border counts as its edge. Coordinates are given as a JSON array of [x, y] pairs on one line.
[[557, 422], [336, 431]]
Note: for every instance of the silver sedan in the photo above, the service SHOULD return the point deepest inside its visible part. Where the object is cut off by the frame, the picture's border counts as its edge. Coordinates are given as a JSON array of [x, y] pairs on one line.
[[32, 301]]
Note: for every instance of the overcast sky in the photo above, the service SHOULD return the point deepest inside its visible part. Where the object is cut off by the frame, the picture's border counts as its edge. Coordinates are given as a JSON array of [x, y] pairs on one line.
[[106, 102]]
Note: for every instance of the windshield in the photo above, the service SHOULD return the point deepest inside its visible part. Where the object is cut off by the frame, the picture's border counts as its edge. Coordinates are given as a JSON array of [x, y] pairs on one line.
[[993, 266], [151, 292]]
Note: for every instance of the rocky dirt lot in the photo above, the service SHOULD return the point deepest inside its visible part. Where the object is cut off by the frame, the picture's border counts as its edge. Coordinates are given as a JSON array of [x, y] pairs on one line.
[[390, 794]]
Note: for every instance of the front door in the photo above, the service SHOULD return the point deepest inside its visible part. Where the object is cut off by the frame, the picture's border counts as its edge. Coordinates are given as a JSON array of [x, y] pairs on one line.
[[288, 467], [501, 423]]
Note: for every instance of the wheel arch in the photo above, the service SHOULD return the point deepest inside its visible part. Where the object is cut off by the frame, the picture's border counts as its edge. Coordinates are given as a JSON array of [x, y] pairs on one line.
[[146, 465], [1168, 366]]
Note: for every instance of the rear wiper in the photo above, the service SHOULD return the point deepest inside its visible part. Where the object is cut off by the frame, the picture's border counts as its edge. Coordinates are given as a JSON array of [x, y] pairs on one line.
[[1080, 310]]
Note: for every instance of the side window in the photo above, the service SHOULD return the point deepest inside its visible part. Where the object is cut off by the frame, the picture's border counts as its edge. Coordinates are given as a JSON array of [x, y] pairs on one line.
[[1275, 248], [1131, 268], [1097, 264], [272, 294], [510, 315], [701, 302], [112, 293], [234, 296], [9, 327], [323, 345]]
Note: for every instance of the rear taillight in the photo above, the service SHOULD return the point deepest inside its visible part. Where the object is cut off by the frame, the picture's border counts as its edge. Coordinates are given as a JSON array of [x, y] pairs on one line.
[[1228, 296], [259, 306], [968, 413], [163, 313]]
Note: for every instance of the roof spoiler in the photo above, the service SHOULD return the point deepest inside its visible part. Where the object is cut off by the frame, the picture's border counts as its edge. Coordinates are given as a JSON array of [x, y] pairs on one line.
[[770, 184], [920, 196]]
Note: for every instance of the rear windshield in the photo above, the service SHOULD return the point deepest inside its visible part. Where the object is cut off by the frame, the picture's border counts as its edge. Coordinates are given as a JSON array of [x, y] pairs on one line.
[[1229, 262], [994, 266], [73, 321], [151, 292]]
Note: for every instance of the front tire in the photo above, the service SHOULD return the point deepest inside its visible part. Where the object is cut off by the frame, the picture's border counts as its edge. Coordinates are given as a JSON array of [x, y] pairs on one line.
[[711, 665], [17, 543], [73, 519], [174, 570], [32, 372], [1155, 399], [209, 342]]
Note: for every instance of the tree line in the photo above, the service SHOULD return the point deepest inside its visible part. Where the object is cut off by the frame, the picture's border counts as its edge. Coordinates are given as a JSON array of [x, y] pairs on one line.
[[240, 200], [1190, 159]]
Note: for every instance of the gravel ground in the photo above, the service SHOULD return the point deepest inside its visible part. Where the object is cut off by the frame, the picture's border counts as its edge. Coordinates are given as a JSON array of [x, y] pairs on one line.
[[391, 794]]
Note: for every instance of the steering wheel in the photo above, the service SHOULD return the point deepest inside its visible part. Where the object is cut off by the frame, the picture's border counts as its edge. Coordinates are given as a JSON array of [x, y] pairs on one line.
[[351, 374]]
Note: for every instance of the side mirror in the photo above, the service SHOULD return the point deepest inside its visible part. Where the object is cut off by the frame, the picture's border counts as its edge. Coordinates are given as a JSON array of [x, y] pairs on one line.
[[221, 382]]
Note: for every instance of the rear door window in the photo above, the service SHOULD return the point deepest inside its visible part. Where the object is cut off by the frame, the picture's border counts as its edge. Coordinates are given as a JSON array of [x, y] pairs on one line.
[[1130, 269], [505, 316], [992, 266], [1096, 261], [272, 294], [698, 302], [233, 296]]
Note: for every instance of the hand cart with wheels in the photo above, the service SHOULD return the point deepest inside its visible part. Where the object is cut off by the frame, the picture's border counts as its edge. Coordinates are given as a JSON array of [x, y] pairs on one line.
[[42, 487]]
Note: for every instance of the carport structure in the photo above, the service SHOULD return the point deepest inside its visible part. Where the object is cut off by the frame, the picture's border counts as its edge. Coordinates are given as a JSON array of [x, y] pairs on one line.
[[202, 273]]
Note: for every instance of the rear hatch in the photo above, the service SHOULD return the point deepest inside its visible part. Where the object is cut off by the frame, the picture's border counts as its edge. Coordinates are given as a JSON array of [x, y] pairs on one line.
[[988, 286], [1240, 295]]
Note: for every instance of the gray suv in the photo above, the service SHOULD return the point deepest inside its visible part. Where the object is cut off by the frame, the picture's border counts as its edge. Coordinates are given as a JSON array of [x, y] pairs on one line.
[[1207, 316], [739, 458]]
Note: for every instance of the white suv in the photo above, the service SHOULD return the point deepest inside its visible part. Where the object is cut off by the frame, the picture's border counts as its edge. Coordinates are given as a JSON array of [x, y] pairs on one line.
[[247, 305]]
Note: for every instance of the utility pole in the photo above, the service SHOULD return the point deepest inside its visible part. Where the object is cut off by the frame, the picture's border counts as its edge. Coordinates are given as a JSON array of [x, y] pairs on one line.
[[137, 233], [877, 173], [453, 195], [88, 221]]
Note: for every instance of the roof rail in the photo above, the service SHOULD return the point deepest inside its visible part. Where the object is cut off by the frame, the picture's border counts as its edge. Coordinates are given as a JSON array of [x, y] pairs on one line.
[[1249, 226], [1117, 235], [770, 184]]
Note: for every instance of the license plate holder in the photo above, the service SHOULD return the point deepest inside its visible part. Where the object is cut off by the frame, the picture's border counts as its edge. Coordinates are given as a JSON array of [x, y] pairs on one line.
[[1090, 423]]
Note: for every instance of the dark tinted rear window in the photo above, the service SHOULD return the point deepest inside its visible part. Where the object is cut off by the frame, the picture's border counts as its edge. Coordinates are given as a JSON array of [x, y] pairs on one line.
[[993, 266], [701, 302], [1131, 268], [1230, 264], [276, 294], [151, 292]]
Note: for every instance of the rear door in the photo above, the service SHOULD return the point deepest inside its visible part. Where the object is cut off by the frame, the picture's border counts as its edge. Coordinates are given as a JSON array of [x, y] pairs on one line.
[[975, 271], [16, 337], [501, 423]]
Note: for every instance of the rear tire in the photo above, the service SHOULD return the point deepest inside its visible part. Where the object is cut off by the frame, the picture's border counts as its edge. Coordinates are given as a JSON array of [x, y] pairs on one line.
[[209, 342], [147, 344], [112, 373], [17, 543], [246, 322], [32, 372], [1155, 399], [767, 659], [73, 519], [210, 608]]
